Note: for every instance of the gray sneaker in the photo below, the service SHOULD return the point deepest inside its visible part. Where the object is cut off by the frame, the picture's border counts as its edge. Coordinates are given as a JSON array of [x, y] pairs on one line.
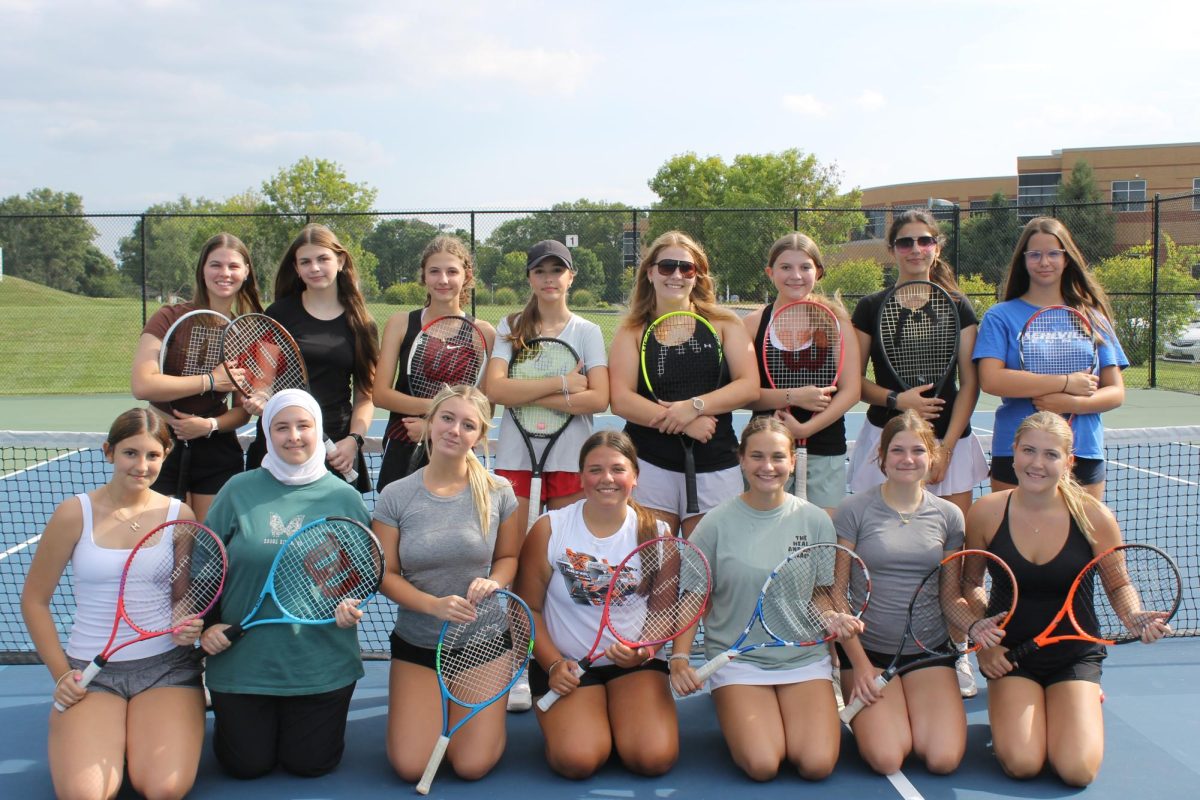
[[966, 678]]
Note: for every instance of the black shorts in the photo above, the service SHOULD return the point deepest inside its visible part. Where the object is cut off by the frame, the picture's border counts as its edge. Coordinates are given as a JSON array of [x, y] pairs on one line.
[[1085, 668], [539, 680], [211, 462], [884, 660], [411, 653], [1088, 471]]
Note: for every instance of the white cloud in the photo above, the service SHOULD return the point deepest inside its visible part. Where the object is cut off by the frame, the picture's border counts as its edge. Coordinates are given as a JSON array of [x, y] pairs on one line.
[[805, 104], [870, 100]]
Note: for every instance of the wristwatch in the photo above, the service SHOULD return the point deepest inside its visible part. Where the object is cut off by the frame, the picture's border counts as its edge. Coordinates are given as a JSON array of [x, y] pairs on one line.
[[358, 440], [698, 404], [213, 422], [892, 398]]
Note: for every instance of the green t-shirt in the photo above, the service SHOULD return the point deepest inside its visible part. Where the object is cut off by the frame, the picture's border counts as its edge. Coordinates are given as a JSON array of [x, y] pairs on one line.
[[743, 546], [254, 514]]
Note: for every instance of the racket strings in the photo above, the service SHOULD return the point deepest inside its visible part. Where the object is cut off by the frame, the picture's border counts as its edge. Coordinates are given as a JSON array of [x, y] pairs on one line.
[[173, 576], [477, 660], [682, 357], [658, 594], [799, 597], [448, 352], [802, 348], [544, 359], [323, 565], [1126, 590], [195, 348], [269, 358], [918, 332], [1057, 341]]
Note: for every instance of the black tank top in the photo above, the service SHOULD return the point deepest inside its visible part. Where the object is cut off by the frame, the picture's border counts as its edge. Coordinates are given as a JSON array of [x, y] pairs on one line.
[[830, 440], [1041, 591], [664, 450], [395, 430]]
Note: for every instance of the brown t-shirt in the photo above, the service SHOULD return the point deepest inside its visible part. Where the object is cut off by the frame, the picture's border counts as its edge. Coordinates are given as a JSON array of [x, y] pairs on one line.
[[201, 405]]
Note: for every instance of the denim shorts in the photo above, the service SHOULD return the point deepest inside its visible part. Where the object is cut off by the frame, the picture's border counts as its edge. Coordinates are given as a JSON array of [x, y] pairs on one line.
[[180, 666]]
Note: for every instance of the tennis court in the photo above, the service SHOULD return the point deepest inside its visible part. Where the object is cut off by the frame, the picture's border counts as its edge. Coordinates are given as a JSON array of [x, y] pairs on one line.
[[1153, 486]]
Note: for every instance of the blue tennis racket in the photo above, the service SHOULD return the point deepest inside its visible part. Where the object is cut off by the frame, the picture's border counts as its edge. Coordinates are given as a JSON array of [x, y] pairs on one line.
[[478, 662], [324, 563]]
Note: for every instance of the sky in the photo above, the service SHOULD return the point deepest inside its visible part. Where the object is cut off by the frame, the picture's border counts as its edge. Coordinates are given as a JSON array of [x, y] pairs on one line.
[[515, 105]]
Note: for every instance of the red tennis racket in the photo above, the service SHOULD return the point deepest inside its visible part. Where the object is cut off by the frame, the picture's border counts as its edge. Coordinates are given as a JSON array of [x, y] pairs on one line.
[[172, 576], [803, 347], [656, 593]]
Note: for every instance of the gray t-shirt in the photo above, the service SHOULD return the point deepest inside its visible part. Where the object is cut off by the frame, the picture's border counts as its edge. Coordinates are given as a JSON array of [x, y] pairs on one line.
[[441, 547], [898, 555], [743, 545]]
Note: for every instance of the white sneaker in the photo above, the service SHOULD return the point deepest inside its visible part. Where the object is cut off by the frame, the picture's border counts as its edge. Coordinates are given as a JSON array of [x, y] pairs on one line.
[[966, 678], [520, 698]]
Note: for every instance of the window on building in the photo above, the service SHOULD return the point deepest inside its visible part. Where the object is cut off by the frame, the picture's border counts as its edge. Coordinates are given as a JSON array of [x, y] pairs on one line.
[[1036, 192], [876, 223], [979, 207], [1129, 195]]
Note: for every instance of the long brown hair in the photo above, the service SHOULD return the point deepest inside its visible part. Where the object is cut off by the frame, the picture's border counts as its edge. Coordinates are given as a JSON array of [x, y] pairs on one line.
[[642, 301], [135, 422], [804, 244], [288, 282], [247, 300], [524, 324], [647, 523], [1079, 289], [1076, 498], [457, 248], [939, 272]]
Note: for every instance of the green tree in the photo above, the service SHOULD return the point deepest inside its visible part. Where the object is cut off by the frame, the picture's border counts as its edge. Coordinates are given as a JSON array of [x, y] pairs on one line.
[[398, 244], [1093, 227], [737, 241], [1128, 278], [100, 275], [48, 241], [987, 239], [853, 278], [589, 271], [981, 293], [171, 234], [511, 273]]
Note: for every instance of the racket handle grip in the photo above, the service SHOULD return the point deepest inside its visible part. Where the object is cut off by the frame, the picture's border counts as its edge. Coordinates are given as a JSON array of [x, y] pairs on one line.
[[351, 475], [535, 501], [691, 495], [852, 708], [1019, 652], [435, 761], [709, 667], [551, 696], [234, 632], [89, 673]]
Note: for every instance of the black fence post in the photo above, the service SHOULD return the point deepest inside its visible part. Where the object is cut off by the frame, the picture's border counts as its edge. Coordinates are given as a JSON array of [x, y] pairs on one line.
[[795, 219], [1154, 234], [957, 231], [145, 269], [474, 288]]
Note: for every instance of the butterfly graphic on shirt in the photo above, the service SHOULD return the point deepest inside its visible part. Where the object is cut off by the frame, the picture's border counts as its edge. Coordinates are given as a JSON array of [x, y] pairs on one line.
[[282, 530]]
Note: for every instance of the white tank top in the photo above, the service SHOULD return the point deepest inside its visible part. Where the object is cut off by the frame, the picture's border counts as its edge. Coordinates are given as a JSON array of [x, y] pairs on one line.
[[582, 565], [97, 579]]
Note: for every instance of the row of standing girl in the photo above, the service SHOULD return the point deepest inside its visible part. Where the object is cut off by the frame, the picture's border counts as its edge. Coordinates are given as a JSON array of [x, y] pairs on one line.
[[325, 293]]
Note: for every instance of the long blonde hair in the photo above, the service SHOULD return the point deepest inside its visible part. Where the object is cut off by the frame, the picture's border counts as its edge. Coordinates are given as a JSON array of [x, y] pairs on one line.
[[642, 301], [1078, 501], [482, 482]]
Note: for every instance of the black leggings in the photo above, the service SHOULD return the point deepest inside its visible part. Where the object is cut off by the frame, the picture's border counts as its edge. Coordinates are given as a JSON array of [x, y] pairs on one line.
[[305, 734]]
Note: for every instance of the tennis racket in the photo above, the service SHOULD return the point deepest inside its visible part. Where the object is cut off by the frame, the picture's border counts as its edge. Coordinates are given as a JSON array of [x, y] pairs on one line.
[[803, 347], [478, 662], [656, 593], [325, 562], [191, 346], [270, 360], [1058, 340], [918, 330], [682, 359], [805, 601], [970, 594], [449, 351], [540, 358], [1115, 597], [171, 577]]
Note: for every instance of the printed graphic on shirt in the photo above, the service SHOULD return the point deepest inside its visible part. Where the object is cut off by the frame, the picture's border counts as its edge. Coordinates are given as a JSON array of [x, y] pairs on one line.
[[281, 530], [586, 578]]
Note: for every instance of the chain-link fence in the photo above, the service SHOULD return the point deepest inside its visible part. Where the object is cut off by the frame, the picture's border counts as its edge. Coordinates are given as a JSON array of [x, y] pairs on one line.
[[77, 289]]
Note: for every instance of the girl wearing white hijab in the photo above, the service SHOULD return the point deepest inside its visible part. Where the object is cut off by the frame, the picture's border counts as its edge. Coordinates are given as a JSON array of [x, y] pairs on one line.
[[280, 698]]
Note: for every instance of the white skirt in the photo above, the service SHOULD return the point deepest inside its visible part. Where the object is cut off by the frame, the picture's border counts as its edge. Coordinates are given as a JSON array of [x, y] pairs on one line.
[[968, 465]]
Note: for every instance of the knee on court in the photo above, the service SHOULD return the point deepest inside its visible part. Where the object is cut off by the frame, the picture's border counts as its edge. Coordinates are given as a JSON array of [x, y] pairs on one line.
[[1075, 771], [650, 761], [577, 760], [1021, 766], [168, 788]]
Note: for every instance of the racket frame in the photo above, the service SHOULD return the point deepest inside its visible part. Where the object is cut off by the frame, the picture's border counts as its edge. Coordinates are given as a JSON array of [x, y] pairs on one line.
[[1084, 323], [934, 289], [168, 337]]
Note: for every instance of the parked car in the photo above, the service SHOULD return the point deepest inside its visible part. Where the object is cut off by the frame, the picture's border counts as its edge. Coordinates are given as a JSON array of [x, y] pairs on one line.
[[1185, 347]]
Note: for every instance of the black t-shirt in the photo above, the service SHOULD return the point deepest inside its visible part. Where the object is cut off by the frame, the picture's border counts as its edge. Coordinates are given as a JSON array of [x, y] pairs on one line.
[[328, 350], [865, 319], [830, 440]]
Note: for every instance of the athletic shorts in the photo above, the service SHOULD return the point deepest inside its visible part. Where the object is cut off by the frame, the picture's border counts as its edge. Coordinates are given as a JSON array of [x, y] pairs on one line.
[[1088, 471], [179, 666], [554, 484], [968, 465], [746, 673], [826, 480], [1087, 667], [664, 489], [539, 679], [411, 653], [884, 660], [211, 462]]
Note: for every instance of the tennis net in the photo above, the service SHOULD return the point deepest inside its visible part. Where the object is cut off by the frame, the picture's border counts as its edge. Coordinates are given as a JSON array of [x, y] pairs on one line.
[[1153, 487]]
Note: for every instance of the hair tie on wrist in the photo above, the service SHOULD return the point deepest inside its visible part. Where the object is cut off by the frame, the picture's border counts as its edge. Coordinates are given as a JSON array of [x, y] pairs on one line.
[[58, 682]]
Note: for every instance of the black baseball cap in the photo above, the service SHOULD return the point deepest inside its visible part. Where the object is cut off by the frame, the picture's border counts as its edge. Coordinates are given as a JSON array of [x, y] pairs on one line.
[[548, 248]]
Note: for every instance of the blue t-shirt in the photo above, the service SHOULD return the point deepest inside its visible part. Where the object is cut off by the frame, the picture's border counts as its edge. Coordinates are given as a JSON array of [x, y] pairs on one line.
[[998, 339]]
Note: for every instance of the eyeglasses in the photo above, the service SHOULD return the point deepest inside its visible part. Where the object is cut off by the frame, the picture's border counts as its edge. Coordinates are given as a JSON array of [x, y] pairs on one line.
[[668, 267], [905, 243], [1053, 256]]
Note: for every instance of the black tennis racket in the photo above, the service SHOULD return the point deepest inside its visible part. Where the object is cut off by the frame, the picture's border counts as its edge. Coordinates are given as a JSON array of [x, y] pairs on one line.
[[449, 351], [918, 330], [540, 358], [682, 359]]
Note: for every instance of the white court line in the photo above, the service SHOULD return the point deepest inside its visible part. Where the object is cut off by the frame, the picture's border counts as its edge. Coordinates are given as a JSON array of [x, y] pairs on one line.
[[16, 548], [1162, 475], [904, 786]]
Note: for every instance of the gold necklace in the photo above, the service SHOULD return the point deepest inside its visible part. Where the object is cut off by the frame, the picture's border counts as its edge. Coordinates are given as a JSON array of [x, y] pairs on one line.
[[132, 522], [904, 518]]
